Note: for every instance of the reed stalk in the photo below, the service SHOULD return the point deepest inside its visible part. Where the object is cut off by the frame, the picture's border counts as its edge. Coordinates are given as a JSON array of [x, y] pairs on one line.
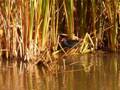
[[25, 23], [38, 21], [94, 16], [68, 7], [53, 30], [82, 7], [111, 7], [114, 31], [32, 7], [54, 24], [99, 21], [45, 23]]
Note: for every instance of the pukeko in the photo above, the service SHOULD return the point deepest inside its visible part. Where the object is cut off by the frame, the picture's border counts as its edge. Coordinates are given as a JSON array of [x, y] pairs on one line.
[[66, 42]]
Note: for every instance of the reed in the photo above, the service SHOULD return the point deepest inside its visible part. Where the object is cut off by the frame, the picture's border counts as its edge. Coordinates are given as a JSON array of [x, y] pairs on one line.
[[94, 16], [54, 24], [68, 7], [82, 16], [114, 31], [32, 8], [111, 10], [31, 27], [38, 21], [45, 23]]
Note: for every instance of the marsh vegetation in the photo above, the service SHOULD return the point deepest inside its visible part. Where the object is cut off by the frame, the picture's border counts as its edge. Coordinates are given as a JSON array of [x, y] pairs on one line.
[[31, 29], [59, 44]]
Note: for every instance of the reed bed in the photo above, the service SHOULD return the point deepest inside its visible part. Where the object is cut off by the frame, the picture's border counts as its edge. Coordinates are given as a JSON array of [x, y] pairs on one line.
[[31, 29]]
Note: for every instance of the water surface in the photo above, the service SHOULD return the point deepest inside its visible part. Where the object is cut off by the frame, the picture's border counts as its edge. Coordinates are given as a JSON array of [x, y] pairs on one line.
[[97, 71]]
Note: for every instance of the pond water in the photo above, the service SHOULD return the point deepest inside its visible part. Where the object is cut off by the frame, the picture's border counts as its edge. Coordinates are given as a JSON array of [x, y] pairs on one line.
[[97, 71]]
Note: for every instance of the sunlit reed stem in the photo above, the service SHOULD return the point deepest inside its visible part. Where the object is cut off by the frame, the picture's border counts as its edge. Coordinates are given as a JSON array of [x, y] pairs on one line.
[[69, 5], [32, 6], [38, 21], [45, 23]]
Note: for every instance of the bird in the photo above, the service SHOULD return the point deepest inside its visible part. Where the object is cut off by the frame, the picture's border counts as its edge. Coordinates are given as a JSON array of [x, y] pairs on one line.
[[66, 42]]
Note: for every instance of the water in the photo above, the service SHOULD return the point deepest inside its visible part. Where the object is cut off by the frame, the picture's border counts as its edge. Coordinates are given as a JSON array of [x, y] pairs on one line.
[[98, 71]]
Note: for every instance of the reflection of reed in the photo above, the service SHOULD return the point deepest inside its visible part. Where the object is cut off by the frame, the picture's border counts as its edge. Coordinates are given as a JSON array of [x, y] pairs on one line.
[[14, 78], [90, 72]]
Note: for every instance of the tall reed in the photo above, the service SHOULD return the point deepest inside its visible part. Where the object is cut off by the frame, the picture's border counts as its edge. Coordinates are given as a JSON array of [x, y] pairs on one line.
[[111, 10], [54, 8], [32, 9], [82, 15], [31, 26], [68, 7], [114, 31], [45, 23], [38, 22]]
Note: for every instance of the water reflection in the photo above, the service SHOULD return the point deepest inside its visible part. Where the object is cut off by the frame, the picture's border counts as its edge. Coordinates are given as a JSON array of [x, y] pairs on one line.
[[98, 71]]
